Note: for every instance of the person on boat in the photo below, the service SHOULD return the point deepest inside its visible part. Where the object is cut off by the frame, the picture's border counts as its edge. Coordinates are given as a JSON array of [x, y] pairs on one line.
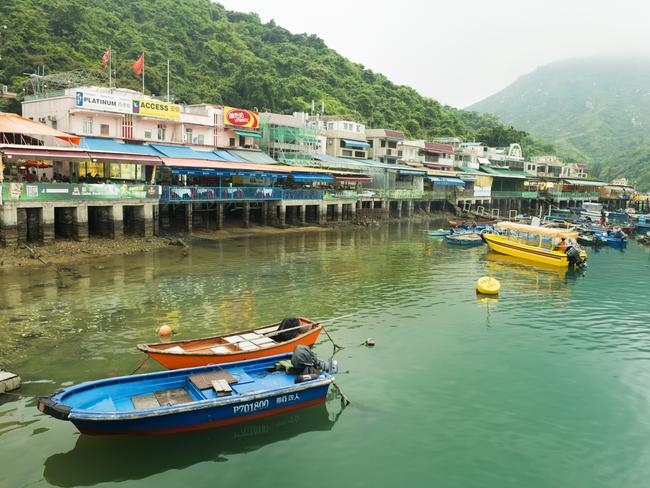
[[305, 361], [563, 245]]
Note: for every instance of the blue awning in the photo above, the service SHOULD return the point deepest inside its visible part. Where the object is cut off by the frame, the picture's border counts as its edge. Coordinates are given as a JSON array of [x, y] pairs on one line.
[[101, 144], [446, 181], [309, 177], [410, 172], [221, 172], [355, 144], [185, 152], [224, 155]]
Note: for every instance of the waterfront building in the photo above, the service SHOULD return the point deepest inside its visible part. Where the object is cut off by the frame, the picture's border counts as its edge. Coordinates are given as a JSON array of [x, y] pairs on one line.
[[384, 145], [346, 139]]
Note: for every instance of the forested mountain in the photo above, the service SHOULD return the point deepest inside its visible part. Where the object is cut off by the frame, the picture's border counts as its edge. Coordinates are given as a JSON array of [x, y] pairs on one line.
[[597, 109], [219, 56]]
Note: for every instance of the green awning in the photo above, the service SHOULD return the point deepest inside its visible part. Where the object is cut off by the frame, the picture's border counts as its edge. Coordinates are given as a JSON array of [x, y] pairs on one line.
[[254, 135], [504, 173], [585, 183]]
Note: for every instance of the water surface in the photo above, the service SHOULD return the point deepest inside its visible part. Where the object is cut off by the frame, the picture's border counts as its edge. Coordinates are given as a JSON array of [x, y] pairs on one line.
[[545, 386]]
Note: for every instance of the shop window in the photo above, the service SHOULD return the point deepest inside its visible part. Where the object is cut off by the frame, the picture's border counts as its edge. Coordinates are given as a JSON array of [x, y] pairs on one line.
[[200, 139], [346, 152], [360, 154], [188, 136], [87, 125], [103, 129], [232, 142], [383, 143], [162, 132], [54, 124], [242, 141], [371, 142], [147, 134], [133, 172], [392, 144]]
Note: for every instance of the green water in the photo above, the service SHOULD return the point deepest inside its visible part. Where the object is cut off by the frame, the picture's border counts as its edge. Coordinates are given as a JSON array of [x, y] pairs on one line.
[[547, 386]]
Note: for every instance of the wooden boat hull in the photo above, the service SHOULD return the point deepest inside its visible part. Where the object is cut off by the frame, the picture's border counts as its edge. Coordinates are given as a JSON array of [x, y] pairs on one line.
[[104, 407], [191, 358], [503, 245], [458, 223]]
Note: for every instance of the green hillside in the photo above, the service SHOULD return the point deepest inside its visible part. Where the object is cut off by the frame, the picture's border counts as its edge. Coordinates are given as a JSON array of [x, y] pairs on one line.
[[593, 109], [219, 56]]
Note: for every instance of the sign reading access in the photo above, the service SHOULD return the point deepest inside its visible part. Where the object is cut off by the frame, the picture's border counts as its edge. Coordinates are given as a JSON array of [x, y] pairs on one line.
[[239, 117], [154, 108]]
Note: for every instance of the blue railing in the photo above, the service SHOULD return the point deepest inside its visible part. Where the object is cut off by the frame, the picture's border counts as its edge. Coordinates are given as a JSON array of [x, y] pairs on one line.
[[304, 194], [233, 193]]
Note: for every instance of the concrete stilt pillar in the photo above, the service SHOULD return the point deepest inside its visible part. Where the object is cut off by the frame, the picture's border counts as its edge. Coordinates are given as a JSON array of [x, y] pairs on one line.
[[220, 216], [409, 208], [80, 223], [148, 220], [322, 213], [116, 221], [187, 225], [47, 224], [156, 219], [272, 213], [353, 211], [8, 226], [339, 212], [282, 215], [246, 214], [303, 214]]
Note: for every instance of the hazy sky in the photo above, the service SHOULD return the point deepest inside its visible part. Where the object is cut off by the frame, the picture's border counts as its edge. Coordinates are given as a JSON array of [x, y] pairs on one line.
[[461, 51]]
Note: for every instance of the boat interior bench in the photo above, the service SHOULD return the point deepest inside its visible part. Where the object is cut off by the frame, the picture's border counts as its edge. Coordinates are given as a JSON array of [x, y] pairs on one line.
[[200, 386]]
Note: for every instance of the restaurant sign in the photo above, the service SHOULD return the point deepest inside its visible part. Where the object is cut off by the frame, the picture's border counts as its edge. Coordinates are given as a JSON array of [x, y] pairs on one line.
[[79, 192], [239, 117], [154, 108], [107, 102]]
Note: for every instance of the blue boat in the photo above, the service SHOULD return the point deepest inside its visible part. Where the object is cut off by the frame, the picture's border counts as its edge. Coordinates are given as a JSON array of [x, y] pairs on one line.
[[612, 238], [643, 224], [186, 399]]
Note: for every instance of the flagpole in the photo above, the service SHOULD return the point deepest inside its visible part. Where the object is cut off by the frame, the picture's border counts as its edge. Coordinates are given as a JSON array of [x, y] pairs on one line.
[[167, 80], [143, 74], [110, 68]]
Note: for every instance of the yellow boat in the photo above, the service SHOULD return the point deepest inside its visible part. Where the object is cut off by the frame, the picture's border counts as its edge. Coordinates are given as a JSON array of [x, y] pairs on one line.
[[537, 244]]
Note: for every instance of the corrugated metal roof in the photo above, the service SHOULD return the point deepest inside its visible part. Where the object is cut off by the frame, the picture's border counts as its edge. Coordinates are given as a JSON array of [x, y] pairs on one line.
[[253, 156], [111, 145], [438, 148]]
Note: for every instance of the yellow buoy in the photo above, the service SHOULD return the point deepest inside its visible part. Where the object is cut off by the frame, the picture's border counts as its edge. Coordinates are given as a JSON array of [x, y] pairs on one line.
[[165, 331], [487, 285]]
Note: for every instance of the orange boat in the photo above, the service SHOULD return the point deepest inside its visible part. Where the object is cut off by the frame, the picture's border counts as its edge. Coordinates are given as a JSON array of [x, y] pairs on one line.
[[256, 343]]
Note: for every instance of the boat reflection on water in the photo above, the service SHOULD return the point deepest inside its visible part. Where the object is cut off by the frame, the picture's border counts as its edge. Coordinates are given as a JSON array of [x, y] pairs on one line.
[[525, 275], [524, 267], [101, 459]]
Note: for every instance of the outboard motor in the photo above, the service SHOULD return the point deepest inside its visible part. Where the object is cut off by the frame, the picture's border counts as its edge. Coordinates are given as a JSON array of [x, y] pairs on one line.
[[574, 257], [305, 361]]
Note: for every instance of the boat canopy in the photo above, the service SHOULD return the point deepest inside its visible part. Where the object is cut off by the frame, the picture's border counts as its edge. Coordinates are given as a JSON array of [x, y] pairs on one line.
[[542, 231]]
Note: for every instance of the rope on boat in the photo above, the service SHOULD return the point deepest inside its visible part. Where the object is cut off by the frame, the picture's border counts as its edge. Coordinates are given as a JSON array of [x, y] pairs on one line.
[[144, 361]]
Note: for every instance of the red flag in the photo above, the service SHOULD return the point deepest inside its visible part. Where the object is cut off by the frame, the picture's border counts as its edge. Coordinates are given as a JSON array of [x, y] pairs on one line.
[[105, 57], [139, 65]]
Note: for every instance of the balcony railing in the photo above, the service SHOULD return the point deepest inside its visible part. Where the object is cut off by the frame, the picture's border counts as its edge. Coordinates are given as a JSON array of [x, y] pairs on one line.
[[515, 194], [47, 192], [414, 194], [347, 194], [226, 194], [574, 195]]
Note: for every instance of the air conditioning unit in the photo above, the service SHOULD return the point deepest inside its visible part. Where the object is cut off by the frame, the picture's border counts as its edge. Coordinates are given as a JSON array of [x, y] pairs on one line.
[[4, 89]]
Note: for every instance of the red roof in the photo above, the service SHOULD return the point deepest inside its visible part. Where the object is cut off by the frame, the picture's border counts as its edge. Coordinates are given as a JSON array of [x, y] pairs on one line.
[[438, 148], [395, 134]]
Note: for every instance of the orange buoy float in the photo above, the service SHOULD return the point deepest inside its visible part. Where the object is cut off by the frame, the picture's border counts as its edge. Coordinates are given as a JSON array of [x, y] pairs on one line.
[[165, 331], [486, 285]]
